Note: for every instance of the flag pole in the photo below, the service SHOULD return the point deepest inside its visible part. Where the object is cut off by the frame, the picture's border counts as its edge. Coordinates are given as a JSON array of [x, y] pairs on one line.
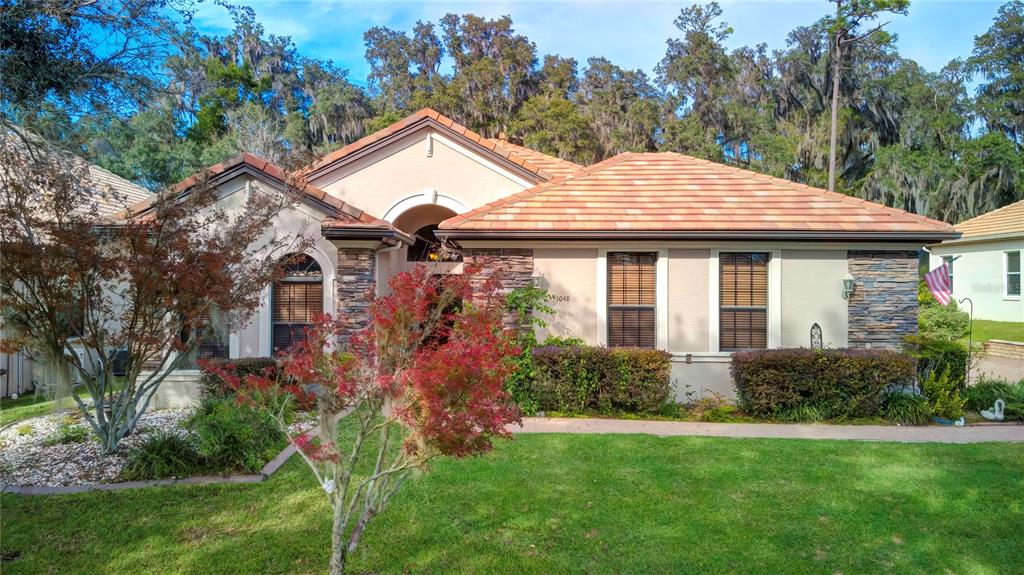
[[970, 338]]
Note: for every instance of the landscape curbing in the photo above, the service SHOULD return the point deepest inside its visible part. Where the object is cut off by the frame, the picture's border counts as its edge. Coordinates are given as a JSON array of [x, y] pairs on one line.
[[269, 469]]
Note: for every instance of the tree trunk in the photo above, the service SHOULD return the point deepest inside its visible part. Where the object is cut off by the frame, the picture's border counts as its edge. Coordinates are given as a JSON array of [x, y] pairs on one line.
[[837, 61], [338, 547], [835, 121]]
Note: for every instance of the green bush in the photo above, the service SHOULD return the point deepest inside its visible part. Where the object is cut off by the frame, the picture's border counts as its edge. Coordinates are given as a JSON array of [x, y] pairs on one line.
[[799, 414], [584, 379], [907, 409], [937, 321], [213, 386], [983, 395], [943, 393], [161, 454], [233, 437], [68, 432], [938, 355], [835, 382]]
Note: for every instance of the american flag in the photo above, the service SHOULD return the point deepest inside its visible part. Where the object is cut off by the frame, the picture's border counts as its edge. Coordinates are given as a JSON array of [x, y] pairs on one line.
[[939, 284]]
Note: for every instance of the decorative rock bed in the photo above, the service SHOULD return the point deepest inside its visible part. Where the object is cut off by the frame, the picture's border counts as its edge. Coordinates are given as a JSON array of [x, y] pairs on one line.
[[29, 454]]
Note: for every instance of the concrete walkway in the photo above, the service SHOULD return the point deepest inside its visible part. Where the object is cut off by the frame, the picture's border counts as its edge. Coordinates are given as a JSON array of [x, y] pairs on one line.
[[939, 434]]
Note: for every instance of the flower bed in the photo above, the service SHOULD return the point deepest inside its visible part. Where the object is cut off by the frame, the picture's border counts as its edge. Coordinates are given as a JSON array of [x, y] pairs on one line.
[[32, 453]]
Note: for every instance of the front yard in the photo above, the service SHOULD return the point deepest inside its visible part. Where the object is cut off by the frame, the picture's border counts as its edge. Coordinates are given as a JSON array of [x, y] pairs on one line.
[[985, 330], [573, 504]]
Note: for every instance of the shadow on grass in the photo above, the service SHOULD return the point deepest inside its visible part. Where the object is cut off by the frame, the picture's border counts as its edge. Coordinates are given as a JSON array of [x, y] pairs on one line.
[[574, 504]]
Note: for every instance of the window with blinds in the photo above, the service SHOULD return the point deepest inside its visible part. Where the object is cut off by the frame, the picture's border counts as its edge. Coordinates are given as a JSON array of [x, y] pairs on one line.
[[743, 312], [631, 299], [297, 298]]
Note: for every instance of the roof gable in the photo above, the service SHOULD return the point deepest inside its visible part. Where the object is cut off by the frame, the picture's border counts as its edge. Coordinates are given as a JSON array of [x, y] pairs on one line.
[[340, 214], [528, 164], [673, 195]]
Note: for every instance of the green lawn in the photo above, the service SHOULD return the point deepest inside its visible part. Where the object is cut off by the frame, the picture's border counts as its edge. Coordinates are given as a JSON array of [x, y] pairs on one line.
[[24, 407], [573, 504], [985, 330]]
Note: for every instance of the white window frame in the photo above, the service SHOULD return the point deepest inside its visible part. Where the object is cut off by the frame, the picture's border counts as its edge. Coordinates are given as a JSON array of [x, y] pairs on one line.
[[1006, 273], [774, 296], [660, 294], [948, 260]]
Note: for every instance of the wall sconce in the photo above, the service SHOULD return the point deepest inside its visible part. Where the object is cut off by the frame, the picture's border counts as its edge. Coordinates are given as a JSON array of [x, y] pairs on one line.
[[847, 286]]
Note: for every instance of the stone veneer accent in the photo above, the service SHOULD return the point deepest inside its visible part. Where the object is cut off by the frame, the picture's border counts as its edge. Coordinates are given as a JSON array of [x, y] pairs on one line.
[[883, 306], [356, 269], [513, 268]]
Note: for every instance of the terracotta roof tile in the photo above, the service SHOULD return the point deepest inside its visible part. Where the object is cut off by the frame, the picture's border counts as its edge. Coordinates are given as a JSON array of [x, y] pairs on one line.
[[673, 192], [542, 165], [1005, 220], [346, 215]]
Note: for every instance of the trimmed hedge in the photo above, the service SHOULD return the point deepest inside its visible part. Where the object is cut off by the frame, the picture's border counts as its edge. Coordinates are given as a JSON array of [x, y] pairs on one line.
[[836, 382], [584, 379], [212, 386]]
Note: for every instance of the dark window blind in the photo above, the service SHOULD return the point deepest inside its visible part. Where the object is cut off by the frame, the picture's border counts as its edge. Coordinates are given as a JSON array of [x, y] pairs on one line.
[[743, 313], [296, 300], [631, 299]]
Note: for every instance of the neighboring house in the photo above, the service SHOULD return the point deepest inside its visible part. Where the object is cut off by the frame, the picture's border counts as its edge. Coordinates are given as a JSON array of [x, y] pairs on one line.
[[986, 261], [112, 194], [656, 250]]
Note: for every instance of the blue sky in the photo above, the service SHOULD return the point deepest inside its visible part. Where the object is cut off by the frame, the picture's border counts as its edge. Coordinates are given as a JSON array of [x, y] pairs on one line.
[[631, 34]]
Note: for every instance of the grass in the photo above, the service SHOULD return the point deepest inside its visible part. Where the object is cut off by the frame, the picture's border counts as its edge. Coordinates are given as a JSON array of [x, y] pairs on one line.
[[985, 330], [25, 407], [573, 504]]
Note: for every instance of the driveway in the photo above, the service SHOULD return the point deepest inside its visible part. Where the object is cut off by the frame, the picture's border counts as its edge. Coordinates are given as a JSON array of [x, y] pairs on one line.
[[1011, 370]]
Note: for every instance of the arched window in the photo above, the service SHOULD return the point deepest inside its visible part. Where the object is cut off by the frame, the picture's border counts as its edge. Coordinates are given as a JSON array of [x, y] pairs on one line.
[[297, 298], [428, 248]]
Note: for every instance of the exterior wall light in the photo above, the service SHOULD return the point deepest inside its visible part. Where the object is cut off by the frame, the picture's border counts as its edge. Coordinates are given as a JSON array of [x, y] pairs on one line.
[[847, 286]]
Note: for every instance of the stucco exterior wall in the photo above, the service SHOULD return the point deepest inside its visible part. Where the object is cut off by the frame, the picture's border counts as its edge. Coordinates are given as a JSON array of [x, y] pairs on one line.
[[412, 171], [979, 274], [570, 275], [812, 282], [688, 300]]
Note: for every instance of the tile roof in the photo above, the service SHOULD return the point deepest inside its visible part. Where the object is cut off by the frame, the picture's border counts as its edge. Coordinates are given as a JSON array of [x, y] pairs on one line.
[[669, 192], [532, 162], [1005, 220], [114, 193], [345, 216], [556, 167]]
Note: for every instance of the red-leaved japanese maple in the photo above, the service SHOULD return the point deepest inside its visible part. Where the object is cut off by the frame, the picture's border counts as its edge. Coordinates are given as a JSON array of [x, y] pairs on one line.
[[424, 379]]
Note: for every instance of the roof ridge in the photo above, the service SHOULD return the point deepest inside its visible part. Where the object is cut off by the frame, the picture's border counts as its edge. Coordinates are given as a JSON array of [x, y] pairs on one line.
[[413, 118]]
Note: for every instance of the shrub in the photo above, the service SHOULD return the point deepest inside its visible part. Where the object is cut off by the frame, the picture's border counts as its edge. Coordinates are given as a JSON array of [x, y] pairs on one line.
[[983, 395], [907, 409], [943, 393], [943, 322], [799, 414], [214, 387], [938, 355], [161, 454], [68, 432], [233, 437], [835, 382], [582, 379]]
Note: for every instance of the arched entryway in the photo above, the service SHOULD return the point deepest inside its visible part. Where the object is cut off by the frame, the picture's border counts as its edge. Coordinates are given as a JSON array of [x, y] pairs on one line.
[[421, 222]]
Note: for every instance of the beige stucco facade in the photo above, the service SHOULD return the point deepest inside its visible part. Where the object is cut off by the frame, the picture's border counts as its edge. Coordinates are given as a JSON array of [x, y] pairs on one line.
[[979, 273], [805, 287]]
